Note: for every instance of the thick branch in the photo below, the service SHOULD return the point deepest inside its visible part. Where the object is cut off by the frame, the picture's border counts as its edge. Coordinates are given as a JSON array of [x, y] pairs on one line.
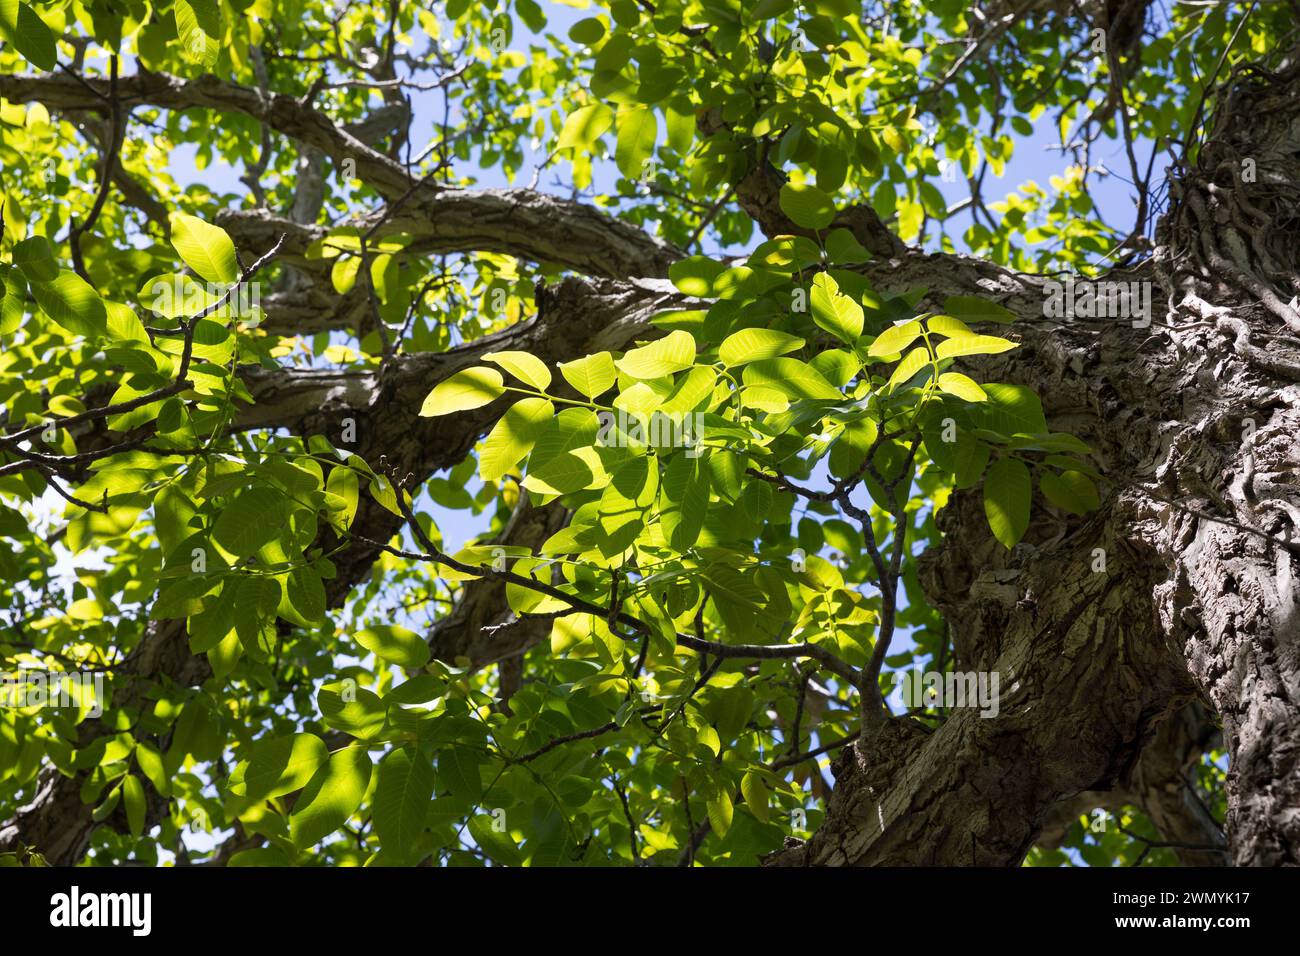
[[512, 221]]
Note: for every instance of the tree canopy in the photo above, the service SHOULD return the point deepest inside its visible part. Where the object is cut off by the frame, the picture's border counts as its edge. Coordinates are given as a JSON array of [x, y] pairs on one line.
[[512, 433]]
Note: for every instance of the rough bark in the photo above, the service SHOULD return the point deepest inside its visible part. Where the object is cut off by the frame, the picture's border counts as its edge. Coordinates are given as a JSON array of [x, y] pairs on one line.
[[518, 222], [1197, 430]]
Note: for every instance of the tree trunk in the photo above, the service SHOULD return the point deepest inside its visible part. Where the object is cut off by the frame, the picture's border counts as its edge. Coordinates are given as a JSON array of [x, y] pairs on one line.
[[1182, 586]]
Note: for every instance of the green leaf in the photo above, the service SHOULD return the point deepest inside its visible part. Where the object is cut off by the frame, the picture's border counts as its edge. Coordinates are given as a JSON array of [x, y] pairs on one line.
[[754, 789], [513, 436], [204, 248], [721, 811], [973, 345], [198, 44], [13, 301], [302, 600], [29, 34], [638, 127], [1070, 491], [750, 345], [396, 644], [280, 765], [174, 295], [499, 846], [584, 126], [343, 487], [894, 339], [695, 275], [252, 518], [133, 802], [1013, 409], [843, 248], [183, 598], [73, 304], [331, 796], [588, 32], [807, 206], [208, 15], [592, 375], [403, 792], [756, 500], [173, 511], [672, 353], [557, 465], [458, 768], [208, 629], [790, 377], [124, 325], [912, 363], [975, 309], [946, 325], [834, 311], [353, 709], [692, 389], [151, 765], [197, 731], [786, 254], [523, 366], [467, 389], [685, 491], [35, 257], [728, 584], [343, 274], [1007, 491], [954, 383], [1054, 442]]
